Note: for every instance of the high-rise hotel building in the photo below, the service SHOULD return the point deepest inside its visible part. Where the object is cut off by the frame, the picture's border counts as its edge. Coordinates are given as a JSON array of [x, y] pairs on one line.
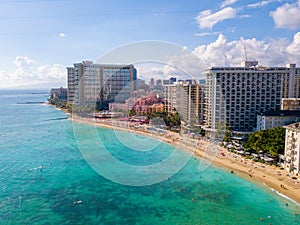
[[100, 83], [236, 95], [186, 98], [191, 106]]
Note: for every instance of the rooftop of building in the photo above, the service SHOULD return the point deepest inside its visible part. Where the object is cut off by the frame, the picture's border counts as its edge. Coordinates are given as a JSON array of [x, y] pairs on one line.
[[253, 66], [91, 63], [293, 126], [59, 89], [282, 113], [183, 83], [291, 99]]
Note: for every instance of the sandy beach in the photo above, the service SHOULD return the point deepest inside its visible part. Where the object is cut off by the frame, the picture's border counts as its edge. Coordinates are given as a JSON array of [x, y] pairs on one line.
[[261, 174]]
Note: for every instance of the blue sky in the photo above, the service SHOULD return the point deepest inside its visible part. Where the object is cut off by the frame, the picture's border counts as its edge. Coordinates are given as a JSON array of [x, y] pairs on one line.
[[39, 38]]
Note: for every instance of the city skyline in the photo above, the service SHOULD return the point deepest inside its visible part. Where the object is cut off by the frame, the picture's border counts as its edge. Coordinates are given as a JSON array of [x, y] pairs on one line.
[[41, 38]]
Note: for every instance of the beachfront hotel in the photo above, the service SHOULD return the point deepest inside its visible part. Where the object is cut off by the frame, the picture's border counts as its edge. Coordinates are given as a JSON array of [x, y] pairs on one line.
[[148, 104], [89, 83], [186, 98], [292, 148], [236, 95], [192, 106], [171, 94]]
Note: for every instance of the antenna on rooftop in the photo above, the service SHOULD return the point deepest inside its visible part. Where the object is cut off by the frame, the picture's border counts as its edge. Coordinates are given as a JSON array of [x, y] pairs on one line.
[[245, 53]]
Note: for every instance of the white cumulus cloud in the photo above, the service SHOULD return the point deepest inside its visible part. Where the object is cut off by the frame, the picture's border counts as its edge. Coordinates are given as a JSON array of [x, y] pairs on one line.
[[207, 19], [287, 16], [294, 47], [276, 52], [183, 65], [23, 60]]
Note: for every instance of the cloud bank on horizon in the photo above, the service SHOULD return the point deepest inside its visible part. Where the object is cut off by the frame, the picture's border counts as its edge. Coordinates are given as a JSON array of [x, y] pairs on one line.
[[268, 29], [29, 73]]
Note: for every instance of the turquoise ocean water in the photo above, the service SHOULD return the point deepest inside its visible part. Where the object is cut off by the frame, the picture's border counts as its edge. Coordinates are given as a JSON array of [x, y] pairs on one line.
[[45, 179]]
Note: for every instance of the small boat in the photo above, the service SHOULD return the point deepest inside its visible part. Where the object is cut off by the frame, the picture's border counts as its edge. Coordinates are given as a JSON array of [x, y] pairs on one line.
[[77, 202]]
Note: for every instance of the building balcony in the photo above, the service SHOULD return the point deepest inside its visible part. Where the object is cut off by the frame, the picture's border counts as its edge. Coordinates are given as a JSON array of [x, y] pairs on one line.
[[290, 151], [288, 159]]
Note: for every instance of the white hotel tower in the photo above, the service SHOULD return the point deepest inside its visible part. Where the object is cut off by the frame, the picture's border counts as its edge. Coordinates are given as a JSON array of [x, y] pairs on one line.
[[238, 94], [292, 147]]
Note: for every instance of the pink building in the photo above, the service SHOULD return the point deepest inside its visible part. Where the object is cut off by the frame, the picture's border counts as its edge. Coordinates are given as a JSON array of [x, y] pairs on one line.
[[148, 104]]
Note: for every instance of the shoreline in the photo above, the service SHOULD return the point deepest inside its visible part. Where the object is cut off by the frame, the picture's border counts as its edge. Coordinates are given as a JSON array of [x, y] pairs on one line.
[[261, 174]]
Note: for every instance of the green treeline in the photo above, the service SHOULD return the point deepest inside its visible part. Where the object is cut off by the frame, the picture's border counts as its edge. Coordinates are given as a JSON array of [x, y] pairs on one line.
[[61, 105], [172, 120], [269, 141]]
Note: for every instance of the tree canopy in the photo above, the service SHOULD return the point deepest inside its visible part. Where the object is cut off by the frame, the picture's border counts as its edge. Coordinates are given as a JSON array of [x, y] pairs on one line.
[[172, 120], [270, 140]]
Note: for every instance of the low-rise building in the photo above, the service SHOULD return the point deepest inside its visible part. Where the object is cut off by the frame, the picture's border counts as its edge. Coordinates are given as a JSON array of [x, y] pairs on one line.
[[158, 107], [277, 118], [290, 104], [292, 148], [60, 94], [148, 104]]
